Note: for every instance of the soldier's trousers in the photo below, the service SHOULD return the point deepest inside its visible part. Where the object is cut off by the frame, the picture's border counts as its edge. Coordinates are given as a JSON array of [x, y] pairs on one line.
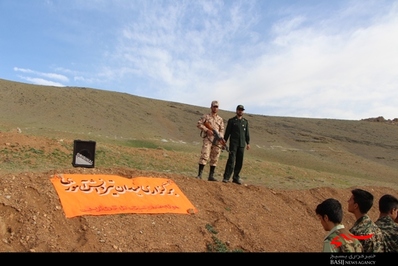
[[234, 163], [210, 153]]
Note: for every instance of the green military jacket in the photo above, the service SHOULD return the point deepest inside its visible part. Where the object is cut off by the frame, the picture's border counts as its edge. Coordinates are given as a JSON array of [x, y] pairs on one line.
[[237, 131], [374, 241], [341, 240], [390, 232]]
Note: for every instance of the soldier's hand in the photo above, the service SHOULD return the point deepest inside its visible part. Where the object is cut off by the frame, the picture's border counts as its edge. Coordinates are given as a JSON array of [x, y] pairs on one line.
[[209, 133]]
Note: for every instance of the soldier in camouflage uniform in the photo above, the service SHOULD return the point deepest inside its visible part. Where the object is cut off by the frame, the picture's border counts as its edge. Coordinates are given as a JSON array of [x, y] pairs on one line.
[[364, 228], [388, 207], [339, 239], [209, 151]]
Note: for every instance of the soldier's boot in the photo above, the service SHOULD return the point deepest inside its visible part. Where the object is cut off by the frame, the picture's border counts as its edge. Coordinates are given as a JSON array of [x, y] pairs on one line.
[[201, 166], [236, 180], [211, 174]]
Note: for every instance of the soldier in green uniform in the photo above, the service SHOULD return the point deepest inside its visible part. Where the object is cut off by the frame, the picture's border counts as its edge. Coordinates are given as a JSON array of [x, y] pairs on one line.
[[237, 132], [359, 204], [388, 207], [339, 239]]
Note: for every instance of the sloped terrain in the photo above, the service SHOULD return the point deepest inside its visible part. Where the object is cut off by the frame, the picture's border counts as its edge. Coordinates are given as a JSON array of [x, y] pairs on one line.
[[248, 218], [293, 165]]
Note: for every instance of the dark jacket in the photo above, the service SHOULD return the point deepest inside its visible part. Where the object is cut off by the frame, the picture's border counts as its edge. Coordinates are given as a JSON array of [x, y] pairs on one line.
[[238, 132]]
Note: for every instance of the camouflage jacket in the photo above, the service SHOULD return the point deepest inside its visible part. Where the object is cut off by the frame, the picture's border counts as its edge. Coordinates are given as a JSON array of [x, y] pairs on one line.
[[216, 122], [390, 232], [340, 239], [372, 238]]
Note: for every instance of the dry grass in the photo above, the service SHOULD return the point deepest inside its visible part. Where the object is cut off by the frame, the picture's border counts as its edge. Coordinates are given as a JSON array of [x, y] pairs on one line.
[[293, 165], [132, 131]]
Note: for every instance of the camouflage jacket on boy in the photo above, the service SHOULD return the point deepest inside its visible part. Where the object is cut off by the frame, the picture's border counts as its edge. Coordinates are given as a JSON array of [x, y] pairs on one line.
[[340, 239], [390, 233], [369, 234]]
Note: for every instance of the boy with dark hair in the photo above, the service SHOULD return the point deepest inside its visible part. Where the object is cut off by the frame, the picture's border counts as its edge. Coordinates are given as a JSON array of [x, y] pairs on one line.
[[369, 233], [388, 208], [339, 239]]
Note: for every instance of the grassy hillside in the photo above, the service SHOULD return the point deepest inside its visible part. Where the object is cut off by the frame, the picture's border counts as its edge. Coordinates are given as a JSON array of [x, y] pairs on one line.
[[148, 134]]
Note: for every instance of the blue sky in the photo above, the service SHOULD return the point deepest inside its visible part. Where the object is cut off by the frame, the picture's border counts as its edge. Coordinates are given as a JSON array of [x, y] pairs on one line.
[[303, 58]]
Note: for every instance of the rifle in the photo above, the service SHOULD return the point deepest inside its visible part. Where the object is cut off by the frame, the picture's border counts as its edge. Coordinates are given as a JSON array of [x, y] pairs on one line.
[[217, 137]]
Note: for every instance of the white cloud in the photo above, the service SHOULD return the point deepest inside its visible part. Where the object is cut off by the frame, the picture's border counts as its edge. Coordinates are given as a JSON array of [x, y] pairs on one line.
[[319, 73], [40, 81], [42, 74]]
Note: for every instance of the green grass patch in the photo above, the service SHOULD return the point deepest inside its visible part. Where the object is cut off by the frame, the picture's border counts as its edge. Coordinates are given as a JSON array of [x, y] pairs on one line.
[[141, 144], [217, 245]]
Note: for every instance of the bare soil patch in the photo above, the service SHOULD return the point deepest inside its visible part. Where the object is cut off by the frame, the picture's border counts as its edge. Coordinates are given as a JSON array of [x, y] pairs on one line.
[[247, 218]]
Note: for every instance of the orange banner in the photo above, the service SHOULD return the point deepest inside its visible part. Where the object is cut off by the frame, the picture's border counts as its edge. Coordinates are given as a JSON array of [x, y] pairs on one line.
[[109, 194]]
